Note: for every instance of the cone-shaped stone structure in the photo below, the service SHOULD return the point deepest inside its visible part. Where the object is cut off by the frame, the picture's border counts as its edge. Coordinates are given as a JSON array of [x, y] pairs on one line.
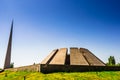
[[78, 60], [8, 53]]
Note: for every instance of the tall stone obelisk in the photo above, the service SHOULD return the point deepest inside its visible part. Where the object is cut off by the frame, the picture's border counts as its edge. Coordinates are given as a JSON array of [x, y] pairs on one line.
[[8, 53]]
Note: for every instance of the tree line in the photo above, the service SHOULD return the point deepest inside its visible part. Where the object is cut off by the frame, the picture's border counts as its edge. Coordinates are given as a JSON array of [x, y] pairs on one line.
[[112, 62]]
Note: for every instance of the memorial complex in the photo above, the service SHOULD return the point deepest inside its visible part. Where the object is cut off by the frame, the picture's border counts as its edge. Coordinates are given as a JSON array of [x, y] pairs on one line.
[[59, 60]]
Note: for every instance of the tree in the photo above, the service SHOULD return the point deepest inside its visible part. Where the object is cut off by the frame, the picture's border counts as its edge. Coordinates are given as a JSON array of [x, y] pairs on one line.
[[12, 65], [111, 61]]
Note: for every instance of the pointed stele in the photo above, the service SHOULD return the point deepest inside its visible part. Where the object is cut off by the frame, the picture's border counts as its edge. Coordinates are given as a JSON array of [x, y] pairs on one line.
[[8, 52]]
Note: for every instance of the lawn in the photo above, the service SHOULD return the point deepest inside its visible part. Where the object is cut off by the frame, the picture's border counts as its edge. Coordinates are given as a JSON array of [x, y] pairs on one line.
[[24, 75]]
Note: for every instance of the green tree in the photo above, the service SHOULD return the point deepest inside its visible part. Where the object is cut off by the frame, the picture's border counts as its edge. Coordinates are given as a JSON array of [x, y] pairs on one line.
[[12, 65], [111, 61]]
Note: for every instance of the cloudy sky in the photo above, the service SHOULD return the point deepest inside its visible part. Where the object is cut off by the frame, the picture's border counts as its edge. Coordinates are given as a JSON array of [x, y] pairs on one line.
[[43, 25]]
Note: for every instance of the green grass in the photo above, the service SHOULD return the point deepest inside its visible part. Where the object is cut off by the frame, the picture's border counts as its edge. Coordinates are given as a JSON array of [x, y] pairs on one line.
[[106, 75]]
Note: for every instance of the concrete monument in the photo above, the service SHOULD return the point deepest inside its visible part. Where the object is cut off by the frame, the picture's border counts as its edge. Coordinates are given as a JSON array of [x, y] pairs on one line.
[[78, 60], [8, 53]]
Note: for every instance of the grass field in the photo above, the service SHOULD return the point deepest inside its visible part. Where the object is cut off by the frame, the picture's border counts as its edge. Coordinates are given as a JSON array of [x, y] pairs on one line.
[[107, 75]]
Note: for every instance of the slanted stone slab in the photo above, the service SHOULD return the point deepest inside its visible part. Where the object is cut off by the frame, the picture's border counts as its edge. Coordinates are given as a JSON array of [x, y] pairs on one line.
[[60, 57], [92, 59], [76, 58], [49, 57]]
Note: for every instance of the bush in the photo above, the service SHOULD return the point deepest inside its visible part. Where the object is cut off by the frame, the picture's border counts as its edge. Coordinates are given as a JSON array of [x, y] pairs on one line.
[[12, 65]]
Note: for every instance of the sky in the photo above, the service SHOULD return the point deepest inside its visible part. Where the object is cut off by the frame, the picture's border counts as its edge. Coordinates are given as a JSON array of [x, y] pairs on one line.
[[41, 26]]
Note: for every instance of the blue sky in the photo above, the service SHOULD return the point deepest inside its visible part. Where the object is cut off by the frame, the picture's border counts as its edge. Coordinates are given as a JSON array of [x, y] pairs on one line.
[[43, 25]]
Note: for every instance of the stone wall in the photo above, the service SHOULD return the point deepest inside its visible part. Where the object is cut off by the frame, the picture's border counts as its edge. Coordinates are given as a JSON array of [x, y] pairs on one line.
[[35, 67], [76, 68], [64, 68]]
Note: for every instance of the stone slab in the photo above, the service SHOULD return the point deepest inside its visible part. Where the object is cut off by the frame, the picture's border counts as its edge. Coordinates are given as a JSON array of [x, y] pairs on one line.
[[76, 58], [92, 59], [60, 57], [49, 57]]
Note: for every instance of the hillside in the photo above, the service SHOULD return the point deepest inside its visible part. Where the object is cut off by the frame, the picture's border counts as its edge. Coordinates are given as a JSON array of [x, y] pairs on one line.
[[107, 75]]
